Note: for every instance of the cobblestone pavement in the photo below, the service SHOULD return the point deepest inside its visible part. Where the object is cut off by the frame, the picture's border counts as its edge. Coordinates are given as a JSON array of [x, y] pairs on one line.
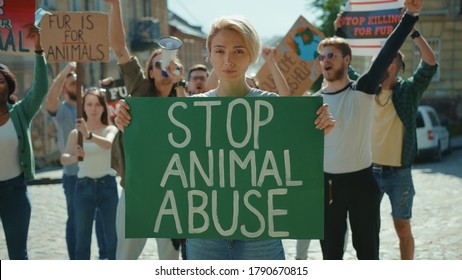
[[436, 223]]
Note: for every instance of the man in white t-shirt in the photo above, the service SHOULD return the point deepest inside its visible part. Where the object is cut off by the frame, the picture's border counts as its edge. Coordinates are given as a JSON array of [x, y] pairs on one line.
[[350, 187]]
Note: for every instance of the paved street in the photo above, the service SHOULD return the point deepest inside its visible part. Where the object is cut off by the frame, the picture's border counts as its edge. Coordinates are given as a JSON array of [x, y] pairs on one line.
[[437, 221]]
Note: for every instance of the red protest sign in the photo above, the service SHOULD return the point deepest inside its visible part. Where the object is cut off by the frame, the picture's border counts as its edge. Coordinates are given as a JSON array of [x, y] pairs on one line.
[[14, 15]]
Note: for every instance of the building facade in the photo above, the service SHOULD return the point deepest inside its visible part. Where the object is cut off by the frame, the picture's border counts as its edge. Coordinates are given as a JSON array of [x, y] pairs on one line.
[[145, 22], [441, 25]]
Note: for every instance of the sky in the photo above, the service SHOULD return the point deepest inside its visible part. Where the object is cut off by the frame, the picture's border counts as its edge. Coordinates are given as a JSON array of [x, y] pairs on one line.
[[269, 17]]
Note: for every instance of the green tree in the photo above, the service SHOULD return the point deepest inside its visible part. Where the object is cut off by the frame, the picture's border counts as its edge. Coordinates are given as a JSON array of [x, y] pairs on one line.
[[329, 10]]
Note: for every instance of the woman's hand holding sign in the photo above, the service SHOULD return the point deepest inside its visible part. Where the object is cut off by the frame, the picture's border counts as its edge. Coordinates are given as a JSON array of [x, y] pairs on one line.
[[123, 116]]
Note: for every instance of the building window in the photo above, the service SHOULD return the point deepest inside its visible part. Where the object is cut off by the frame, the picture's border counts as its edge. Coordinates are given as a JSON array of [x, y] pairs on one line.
[[76, 5], [48, 4], [147, 9], [435, 44], [99, 5], [94, 5]]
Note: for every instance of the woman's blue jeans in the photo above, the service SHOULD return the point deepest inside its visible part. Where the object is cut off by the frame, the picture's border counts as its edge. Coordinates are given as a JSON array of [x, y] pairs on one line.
[[69, 182], [15, 211], [92, 194], [222, 249]]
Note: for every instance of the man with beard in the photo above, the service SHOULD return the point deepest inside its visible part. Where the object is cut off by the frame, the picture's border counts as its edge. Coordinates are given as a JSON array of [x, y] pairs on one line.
[[350, 187], [394, 139], [64, 115], [197, 78]]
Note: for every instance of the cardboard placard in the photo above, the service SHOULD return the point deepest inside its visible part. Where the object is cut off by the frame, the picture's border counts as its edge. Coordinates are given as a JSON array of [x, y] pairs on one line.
[[76, 36], [14, 15], [296, 58], [226, 168]]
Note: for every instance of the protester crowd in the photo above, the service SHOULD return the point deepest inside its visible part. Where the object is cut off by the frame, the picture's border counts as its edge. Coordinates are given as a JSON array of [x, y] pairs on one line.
[[368, 123]]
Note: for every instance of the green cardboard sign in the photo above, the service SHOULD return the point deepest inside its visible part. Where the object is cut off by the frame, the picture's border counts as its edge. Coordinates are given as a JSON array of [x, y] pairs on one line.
[[231, 168]]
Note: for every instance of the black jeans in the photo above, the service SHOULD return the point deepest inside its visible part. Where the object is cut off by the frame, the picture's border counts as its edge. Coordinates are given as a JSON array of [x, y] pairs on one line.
[[357, 195]]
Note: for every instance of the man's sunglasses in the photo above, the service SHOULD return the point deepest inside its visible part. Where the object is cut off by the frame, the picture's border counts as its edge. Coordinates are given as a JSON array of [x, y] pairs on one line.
[[329, 56]]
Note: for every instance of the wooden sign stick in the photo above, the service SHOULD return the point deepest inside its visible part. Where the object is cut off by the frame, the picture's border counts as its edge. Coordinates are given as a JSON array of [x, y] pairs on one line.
[[79, 72]]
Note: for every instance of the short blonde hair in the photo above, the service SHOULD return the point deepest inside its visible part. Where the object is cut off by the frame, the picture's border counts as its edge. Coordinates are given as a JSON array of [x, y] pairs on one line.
[[243, 27]]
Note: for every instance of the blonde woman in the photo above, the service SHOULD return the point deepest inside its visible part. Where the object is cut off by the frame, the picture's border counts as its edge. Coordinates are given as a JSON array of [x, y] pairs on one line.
[[233, 45]]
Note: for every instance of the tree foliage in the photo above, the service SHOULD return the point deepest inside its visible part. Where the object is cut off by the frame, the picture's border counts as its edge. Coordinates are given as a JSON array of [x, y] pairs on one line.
[[329, 10]]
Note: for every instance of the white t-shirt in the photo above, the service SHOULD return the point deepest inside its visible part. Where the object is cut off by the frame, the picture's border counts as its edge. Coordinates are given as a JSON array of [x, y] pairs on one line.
[[9, 145], [97, 161], [348, 147]]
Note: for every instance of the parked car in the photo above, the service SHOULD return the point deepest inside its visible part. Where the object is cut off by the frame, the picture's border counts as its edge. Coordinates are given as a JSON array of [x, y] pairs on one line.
[[432, 136]]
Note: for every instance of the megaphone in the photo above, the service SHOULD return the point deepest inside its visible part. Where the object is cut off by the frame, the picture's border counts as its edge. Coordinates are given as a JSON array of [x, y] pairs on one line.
[[169, 46]]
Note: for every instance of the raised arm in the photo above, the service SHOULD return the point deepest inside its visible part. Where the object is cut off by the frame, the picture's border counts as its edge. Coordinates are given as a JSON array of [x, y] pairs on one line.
[[422, 76], [338, 26], [426, 52], [57, 87], [212, 81], [370, 81], [117, 33], [34, 98], [282, 86]]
